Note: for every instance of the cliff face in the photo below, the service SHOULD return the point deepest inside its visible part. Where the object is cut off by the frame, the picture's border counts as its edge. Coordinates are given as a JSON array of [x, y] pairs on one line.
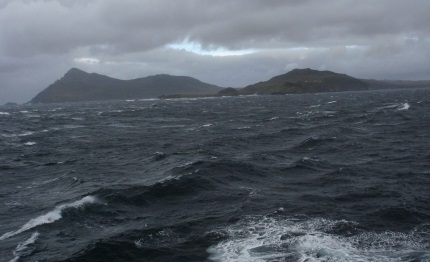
[[77, 85], [306, 81]]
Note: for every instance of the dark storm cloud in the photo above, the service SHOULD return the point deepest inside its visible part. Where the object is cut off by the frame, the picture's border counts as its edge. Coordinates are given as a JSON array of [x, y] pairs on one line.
[[42, 39]]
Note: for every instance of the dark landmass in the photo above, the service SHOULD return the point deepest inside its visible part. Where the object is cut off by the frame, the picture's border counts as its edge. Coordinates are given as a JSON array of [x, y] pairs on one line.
[[230, 91], [10, 104], [300, 81], [77, 85], [380, 84], [175, 96]]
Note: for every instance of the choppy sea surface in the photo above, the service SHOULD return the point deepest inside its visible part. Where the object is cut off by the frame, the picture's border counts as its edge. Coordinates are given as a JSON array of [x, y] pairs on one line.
[[320, 177]]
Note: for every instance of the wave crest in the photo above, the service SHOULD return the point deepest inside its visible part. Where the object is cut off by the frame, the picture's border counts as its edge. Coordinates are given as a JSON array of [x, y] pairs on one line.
[[50, 217]]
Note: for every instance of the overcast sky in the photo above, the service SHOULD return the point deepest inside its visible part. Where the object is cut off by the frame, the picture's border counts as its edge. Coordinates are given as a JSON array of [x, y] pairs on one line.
[[224, 42]]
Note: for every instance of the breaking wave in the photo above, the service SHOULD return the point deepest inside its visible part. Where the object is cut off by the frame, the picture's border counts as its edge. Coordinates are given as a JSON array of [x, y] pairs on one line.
[[50, 217], [404, 106]]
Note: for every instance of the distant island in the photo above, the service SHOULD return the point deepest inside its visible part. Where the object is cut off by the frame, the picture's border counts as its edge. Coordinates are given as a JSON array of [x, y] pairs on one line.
[[77, 85]]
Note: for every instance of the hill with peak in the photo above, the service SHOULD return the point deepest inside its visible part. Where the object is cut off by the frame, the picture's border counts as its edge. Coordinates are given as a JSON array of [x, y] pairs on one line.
[[306, 81], [77, 85]]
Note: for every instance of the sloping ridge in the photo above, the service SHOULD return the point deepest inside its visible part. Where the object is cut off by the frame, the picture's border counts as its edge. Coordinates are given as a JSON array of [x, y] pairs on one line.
[[306, 81], [77, 85]]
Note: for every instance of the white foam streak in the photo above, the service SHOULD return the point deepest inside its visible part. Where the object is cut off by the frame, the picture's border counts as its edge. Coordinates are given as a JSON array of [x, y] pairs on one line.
[[49, 217], [23, 249], [398, 107], [18, 135], [28, 133]]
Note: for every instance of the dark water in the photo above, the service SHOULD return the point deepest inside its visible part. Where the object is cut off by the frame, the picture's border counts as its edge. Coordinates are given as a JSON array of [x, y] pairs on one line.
[[328, 177]]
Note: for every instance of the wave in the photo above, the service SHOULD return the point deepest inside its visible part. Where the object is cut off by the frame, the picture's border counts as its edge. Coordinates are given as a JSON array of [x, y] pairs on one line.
[[50, 217], [313, 142], [313, 164], [397, 106], [297, 239], [196, 178], [404, 106], [400, 215], [27, 133], [25, 248]]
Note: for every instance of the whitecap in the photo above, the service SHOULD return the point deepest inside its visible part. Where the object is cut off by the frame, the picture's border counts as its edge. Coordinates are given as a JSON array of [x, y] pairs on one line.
[[50, 217], [33, 116], [25, 248], [207, 125], [30, 143], [4, 113], [274, 118], [28, 133], [149, 99], [331, 102], [397, 106], [262, 238], [404, 106], [73, 126]]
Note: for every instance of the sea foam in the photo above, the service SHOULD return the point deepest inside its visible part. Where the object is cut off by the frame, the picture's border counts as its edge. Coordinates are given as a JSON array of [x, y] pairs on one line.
[[404, 106], [50, 217], [25, 248], [269, 239]]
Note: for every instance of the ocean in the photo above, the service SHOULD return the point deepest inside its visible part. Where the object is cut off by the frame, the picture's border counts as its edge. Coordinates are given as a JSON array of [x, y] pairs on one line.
[[312, 177]]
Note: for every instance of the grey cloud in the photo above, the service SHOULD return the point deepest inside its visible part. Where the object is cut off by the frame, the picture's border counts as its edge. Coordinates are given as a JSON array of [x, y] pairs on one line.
[[42, 39], [130, 26]]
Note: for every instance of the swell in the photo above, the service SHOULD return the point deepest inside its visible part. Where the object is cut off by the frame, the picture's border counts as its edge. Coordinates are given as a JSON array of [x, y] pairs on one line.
[[154, 244], [204, 178]]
